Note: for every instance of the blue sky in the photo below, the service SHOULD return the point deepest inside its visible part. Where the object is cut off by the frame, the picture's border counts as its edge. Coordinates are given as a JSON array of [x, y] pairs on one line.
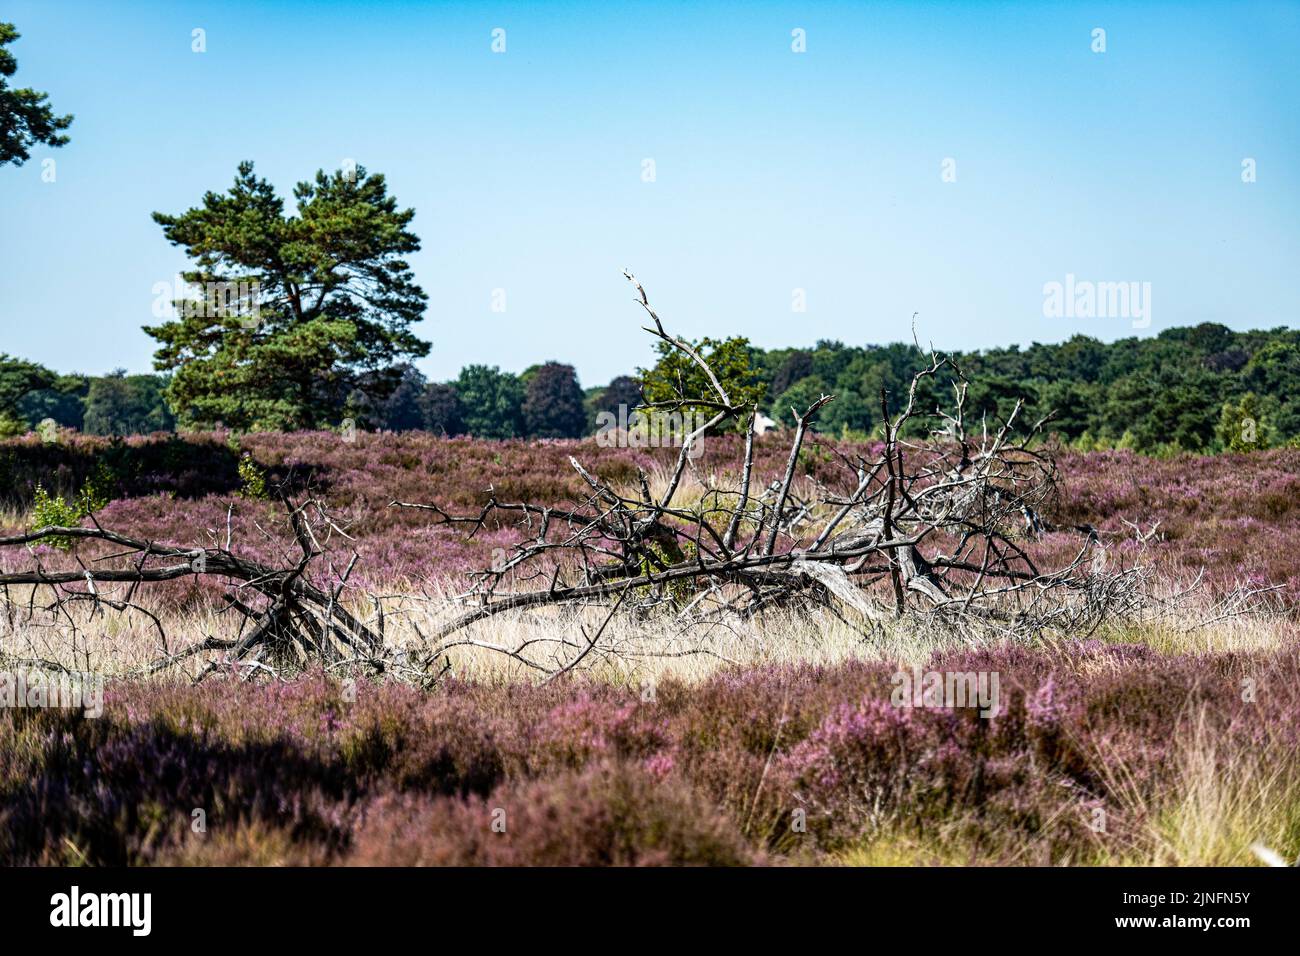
[[774, 170]]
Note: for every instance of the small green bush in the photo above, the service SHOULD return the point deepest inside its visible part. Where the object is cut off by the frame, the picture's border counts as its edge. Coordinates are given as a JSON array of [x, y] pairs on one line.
[[51, 511], [252, 479], [98, 490]]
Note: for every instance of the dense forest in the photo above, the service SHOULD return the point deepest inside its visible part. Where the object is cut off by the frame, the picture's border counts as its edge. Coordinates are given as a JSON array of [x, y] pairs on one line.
[[1197, 389]]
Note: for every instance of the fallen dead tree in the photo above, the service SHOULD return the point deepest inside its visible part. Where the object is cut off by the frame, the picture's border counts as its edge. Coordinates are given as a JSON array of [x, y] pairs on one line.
[[284, 616], [934, 529]]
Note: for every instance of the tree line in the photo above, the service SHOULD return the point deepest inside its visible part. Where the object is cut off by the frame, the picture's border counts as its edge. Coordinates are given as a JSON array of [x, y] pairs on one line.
[[1199, 389], [1203, 388]]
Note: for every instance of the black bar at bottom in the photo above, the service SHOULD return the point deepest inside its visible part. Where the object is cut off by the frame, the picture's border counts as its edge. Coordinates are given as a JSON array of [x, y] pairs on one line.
[[341, 906]]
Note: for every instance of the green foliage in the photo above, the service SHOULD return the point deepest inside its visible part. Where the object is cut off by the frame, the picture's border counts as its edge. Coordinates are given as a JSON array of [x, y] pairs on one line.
[[63, 402], [99, 487], [114, 404], [677, 377], [121, 404], [1160, 396], [440, 409], [660, 555], [26, 118], [1181, 391], [11, 425], [402, 411], [18, 378], [491, 402], [1242, 426], [53, 511], [854, 376], [552, 406], [252, 479], [798, 397], [787, 367], [1273, 373], [50, 511], [334, 298], [1072, 402], [623, 391]]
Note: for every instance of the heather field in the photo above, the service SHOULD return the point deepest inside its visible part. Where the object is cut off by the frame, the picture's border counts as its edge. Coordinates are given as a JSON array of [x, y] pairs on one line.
[[1103, 754], [1236, 517], [1167, 736]]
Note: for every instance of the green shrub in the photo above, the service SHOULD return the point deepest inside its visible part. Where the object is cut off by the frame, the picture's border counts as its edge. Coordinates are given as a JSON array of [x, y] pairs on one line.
[[252, 479], [1242, 427], [98, 490], [11, 426], [51, 511]]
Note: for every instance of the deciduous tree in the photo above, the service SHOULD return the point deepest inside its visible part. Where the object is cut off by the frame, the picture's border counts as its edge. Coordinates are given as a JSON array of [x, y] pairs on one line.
[[491, 402], [553, 403], [18, 378], [121, 404], [676, 374]]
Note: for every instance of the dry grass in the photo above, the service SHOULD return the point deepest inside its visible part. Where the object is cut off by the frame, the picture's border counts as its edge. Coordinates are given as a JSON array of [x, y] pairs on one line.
[[630, 650], [1218, 809], [1219, 805]]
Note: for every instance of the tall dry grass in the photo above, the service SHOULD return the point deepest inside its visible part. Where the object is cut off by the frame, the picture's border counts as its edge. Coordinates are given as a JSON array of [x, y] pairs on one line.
[[527, 646]]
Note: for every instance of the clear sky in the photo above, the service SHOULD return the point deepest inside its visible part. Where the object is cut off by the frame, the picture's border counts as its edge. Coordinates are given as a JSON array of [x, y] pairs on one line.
[[774, 170]]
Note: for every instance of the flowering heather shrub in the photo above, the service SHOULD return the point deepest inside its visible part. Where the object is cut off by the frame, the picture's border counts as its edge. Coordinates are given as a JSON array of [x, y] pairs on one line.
[[441, 743], [872, 766], [856, 764], [1092, 726], [1236, 515], [78, 790], [610, 814], [730, 731], [192, 466], [590, 773], [587, 727]]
